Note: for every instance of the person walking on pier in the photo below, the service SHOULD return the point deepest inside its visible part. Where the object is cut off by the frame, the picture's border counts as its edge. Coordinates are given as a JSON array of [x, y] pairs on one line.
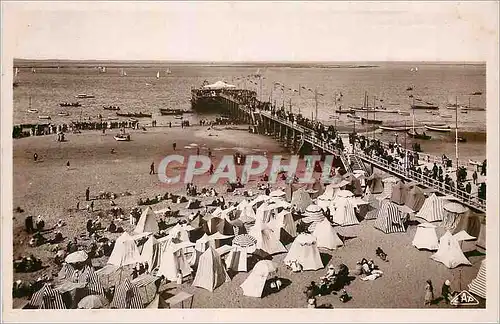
[[152, 168], [483, 168], [474, 177]]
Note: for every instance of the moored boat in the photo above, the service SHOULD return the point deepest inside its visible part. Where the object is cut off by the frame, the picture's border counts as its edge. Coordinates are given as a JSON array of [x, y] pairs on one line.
[[442, 129], [63, 114], [32, 111], [426, 106], [111, 107], [414, 134], [84, 96], [44, 117], [167, 111], [70, 104], [370, 121], [353, 116], [122, 137], [136, 115], [394, 129]]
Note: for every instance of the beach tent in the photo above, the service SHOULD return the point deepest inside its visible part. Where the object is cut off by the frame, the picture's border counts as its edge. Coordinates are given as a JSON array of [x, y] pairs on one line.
[[173, 261], [370, 210], [217, 224], [343, 213], [390, 219], [426, 237], [453, 213], [305, 251], [354, 184], [284, 224], [254, 284], [449, 252], [219, 85], [432, 209], [301, 199], [47, 298], [326, 237], [469, 222], [481, 239], [415, 198], [267, 239], [127, 296], [478, 284], [158, 303], [388, 184], [313, 213], [147, 223], [399, 193], [125, 251], [374, 183], [237, 259], [211, 272]]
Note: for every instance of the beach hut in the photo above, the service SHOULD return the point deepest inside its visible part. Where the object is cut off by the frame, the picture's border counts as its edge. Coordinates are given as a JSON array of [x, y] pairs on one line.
[[481, 239], [354, 184], [267, 239], [254, 284], [211, 272], [453, 213], [284, 224], [478, 284], [388, 184], [301, 200], [147, 223], [173, 261], [449, 252], [390, 219], [125, 251], [127, 296], [150, 253], [469, 222], [343, 213], [305, 251], [399, 193], [236, 260], [415, 198], [432, 209], [426, 237], [47, 298], [375, 184], [370, 210], [326, 237]]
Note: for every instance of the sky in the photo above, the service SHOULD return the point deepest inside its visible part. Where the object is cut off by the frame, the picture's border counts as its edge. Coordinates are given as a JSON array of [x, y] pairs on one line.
[[250, 31]]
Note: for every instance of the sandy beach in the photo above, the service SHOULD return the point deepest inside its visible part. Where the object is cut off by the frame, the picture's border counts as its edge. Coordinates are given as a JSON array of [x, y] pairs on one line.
[[49, 188]]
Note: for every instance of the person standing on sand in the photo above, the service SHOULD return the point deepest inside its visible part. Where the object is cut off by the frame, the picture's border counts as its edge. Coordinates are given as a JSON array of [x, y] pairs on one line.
[[446, 291], [429, 293], [197, 151], [152, 168], [87, 194], [174, 145], [35, 157], [67, 164], [92, 205], [209, 153], [77, 205]]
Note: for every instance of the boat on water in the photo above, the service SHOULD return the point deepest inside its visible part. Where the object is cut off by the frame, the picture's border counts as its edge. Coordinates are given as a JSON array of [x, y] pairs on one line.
[[32, 110], [344, 111], [414, 134], [63, 114], [158, 75], [370, 121], [111, 107], [453, 106], [168, 111], [44, 117], [394, 129], [122, 137], [477, 93], [424, 105], [70, 104], [136, 115], [442, 129], [446, 116], [464, 112], [123, 73], [404, 113], [353, 116], [178, 117], [84, 96]]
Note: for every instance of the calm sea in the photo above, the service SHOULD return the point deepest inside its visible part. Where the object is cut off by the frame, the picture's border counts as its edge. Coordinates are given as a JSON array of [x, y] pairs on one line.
[[140, 90]]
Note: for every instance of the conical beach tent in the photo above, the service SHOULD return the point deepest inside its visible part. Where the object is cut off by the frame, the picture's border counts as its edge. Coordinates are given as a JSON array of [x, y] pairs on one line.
[[147, 222], [211, 272], [254, 284], [390, 219], [237, 259], [375, 183], [305, 251], [173, 261], [426, 237], [432, 209], [301, 199], [449, 252], [343, 213], [478, 284], [415, 198], [399, 193], [326, 237], [267, 239], [388, 184], [453, 213], [125, 251], [150, 253], [283, 222], [127, 296]]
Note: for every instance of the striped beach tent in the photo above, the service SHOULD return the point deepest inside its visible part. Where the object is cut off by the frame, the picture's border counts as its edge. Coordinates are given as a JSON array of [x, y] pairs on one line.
[[452, 217], [343, 213], [66, 272], [89, 277], [127, 296], [415, 198], [211, 272], [390, 219], [47, 298], [388, 184], [399, 193], [478, 284], [432, 209]]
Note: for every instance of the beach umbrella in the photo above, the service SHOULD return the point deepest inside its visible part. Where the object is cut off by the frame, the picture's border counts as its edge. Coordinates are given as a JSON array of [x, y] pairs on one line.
[[77, 257], [92, 302], [245, 242], [264, 268], [455, 208]]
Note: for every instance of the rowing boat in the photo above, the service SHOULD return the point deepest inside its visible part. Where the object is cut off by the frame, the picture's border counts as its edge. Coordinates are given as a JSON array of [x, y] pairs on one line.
[[446, 129], [394, 129]]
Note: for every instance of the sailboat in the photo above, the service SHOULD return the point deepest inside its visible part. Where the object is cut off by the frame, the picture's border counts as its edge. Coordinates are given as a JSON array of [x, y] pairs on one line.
[[413, 133], [30, 110], [33, 70], [367, 109], [340, 110], [122, 72], [158, 75], [168, 71]]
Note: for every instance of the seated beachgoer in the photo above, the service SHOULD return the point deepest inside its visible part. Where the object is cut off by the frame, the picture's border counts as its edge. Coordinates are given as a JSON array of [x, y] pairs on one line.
[[311, 303], [373, 275], [344, 297], [112, 227], [60, 223], [330, 273], [40, 223], [311, 290], [381, 254], [372, 265], [295, 266], [275, 284], [366, 267], [359, 269]]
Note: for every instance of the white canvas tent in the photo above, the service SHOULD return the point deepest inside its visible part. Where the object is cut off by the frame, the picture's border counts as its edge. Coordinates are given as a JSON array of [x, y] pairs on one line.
[[284, 220], [478, 284], [211, 272], [254, 284], [449, 252], [147, 222], [326, 237], [432, 209], [125, 251], [426, 237], [172, 261], [267, 239], [150, 253], [343, 212], [237, 259], [305, 251]]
